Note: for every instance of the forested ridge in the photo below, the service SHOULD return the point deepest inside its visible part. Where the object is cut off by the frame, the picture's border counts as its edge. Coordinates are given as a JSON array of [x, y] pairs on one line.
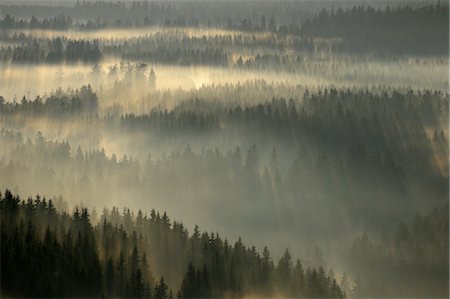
[[392, 30], [47, 253], [79, 103], [388, 32], [53, 51], [352, 149], [127, 254]]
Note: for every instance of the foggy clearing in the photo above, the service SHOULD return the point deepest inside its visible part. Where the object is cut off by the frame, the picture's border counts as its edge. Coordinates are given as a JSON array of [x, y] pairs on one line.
[[33, 80], [122, 34]]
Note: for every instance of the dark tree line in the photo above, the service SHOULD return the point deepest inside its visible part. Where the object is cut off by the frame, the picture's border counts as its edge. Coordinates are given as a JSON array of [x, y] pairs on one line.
[[389, 31], [385, 121], [55, 50], [168, 48], [79, 103], [60, 22], [401, 30], [46, 253], [143, 13]]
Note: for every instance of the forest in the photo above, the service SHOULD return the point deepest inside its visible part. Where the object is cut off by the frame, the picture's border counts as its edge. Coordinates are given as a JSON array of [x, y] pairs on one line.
[[222, 149], [65, 255]]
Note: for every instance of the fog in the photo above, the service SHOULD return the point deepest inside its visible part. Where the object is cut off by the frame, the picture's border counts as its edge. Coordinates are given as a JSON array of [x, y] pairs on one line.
[[20, 80], [123, 87], [123, 34], [270, 133], [177, 89]]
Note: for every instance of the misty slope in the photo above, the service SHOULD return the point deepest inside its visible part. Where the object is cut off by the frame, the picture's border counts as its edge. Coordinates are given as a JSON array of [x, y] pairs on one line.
[[410, 261], [341, 155], [46, 253], [122, 254]]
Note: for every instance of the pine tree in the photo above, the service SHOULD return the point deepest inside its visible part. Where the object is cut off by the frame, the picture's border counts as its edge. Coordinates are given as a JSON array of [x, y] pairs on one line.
[[161, 289]]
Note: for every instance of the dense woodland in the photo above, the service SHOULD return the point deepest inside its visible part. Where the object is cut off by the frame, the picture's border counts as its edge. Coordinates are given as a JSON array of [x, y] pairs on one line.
[[315, 131], [138, 13], [395, 155], [218, 50], [335, 26], [54, 51], [393, 30], [81, 102], [65, 255]]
